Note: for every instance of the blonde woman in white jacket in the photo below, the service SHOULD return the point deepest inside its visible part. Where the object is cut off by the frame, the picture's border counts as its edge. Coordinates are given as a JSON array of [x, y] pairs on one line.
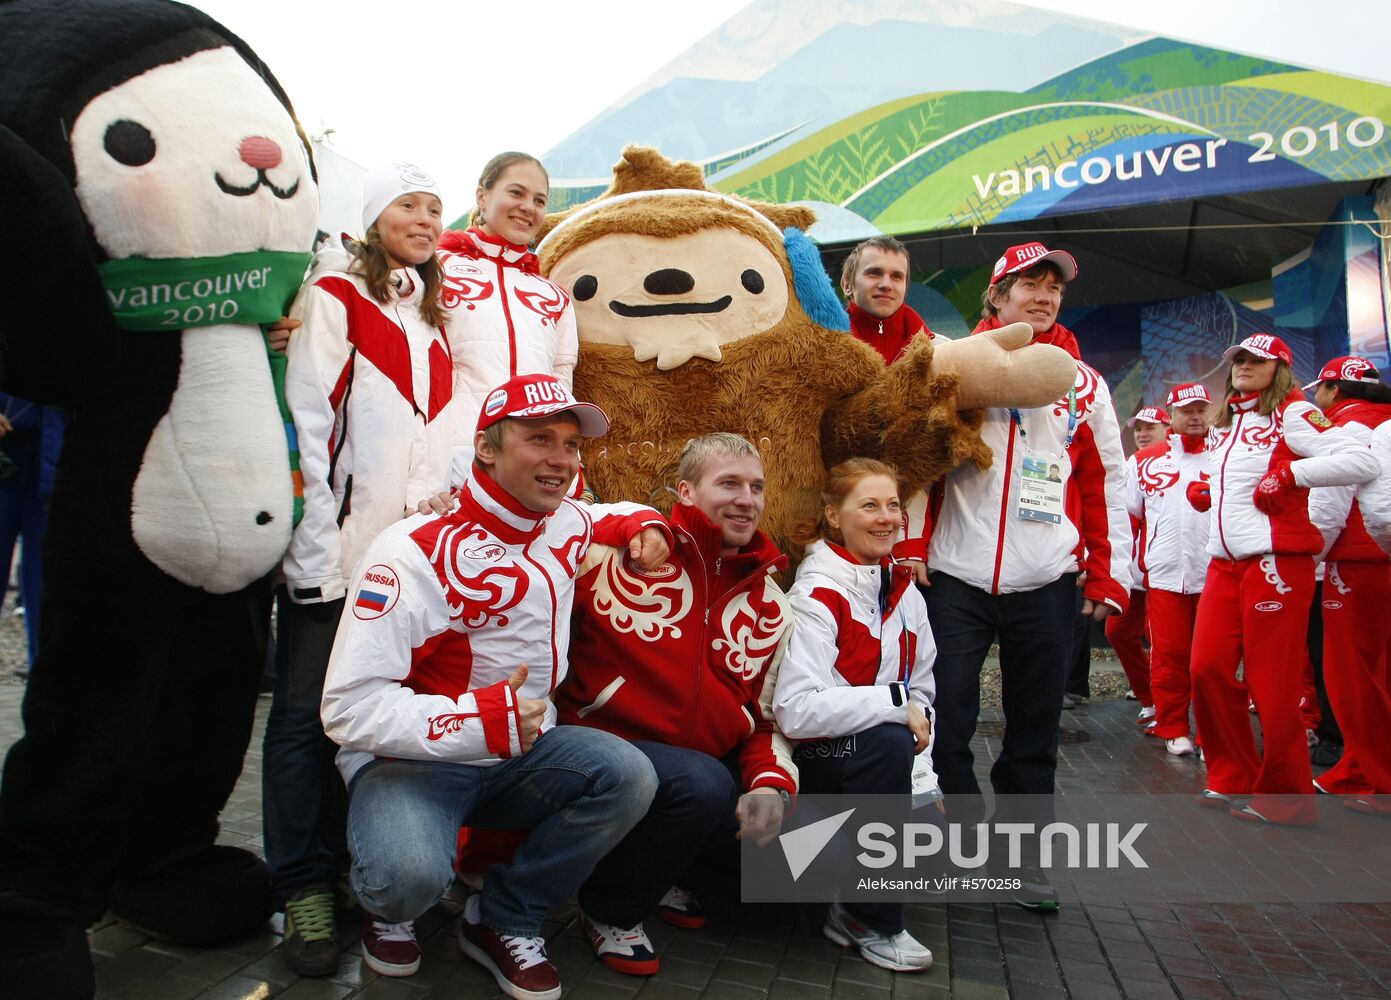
[[856, 682]]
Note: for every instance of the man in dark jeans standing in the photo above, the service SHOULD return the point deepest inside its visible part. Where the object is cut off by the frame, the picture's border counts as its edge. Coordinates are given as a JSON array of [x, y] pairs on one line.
[[1006, 549]]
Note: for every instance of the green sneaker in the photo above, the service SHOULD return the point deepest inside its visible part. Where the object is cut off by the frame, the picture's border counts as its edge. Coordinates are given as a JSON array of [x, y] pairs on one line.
[[311, 944]]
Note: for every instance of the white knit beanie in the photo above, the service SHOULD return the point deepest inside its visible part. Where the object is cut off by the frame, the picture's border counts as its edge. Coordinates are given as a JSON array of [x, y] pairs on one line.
[[384, 184]]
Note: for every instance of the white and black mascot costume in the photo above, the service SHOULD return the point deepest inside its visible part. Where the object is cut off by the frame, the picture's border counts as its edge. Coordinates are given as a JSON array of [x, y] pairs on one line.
[[158, 202]]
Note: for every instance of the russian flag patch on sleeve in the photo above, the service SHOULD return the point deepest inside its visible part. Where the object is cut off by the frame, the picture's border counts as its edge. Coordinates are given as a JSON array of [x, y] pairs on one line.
[[377, 592]]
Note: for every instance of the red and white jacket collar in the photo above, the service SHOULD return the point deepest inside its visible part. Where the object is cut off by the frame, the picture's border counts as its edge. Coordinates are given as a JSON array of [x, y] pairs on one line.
[[473, 242], [859, 579], [483, 500]]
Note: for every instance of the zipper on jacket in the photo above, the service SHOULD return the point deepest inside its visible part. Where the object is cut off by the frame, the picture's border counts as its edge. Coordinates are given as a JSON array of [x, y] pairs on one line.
[[507, 314], [1222, 481], [1004, 509]]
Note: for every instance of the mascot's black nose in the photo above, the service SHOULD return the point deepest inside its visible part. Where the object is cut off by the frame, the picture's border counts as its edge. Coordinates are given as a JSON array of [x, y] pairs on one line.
[[668, 281]]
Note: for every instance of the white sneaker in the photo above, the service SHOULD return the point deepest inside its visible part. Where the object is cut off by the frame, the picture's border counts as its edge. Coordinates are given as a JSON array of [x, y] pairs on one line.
[[623, 950], [1146, 714], [1179, 746], [900, 953]]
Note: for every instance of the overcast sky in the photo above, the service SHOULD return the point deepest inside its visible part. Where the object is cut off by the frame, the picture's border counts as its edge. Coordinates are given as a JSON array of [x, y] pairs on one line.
[[448, 84]]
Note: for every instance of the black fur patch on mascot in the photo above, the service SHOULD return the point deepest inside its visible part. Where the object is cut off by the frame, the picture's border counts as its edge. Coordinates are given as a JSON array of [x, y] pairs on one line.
[[159, 201]]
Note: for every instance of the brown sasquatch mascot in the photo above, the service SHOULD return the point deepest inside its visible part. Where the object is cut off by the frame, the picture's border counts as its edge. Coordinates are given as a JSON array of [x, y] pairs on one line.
[[701, 312]]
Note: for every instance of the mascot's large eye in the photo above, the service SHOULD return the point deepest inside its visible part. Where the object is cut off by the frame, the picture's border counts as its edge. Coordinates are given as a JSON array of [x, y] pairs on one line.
[[585, 287], [752, 280], [130, 143]]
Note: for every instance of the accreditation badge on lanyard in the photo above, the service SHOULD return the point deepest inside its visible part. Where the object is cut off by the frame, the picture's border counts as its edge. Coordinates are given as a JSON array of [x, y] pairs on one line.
[[1041, 474]]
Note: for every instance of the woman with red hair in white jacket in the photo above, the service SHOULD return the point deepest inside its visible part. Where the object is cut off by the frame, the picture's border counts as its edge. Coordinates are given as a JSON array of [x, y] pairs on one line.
[[856, 682], [1268, 446]]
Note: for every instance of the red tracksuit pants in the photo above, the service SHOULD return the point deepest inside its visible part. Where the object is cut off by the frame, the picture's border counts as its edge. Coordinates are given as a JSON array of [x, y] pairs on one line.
[[1127, 633], [1356, 631], [1254, 614], [1172, 618]]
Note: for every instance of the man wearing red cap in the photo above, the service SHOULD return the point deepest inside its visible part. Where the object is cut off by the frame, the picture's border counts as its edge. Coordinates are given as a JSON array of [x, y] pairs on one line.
[[1036, 536], [875, 280], [438, 693], [1356, 592], [1127, 632], [1173, 558], [1268, 448]]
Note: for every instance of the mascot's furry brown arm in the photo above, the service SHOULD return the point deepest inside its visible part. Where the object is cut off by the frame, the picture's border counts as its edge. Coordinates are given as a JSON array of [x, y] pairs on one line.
[[701, 312]]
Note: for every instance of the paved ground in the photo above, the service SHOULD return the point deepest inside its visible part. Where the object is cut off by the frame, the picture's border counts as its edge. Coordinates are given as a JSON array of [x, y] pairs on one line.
[[982, 951]]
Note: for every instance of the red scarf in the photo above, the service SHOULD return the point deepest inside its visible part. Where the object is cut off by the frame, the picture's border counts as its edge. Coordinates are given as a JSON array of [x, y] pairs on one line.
[[1057, 335], [890, 336]]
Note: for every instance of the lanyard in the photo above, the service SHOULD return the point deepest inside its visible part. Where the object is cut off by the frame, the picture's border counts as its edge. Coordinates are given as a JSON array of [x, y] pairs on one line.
[[1071, 420], [905, 667]]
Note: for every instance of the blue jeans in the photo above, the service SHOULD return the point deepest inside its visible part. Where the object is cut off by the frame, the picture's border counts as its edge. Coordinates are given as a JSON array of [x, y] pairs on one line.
[[694, 803], [1034, 628], [579, 791], [305, 804]]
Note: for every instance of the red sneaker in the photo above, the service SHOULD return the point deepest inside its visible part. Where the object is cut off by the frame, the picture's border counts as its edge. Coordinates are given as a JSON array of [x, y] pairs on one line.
[[518, 964], [389, 949]]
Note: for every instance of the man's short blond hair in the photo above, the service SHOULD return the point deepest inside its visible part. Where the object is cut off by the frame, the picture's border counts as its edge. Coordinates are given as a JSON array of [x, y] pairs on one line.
[[700, 450]]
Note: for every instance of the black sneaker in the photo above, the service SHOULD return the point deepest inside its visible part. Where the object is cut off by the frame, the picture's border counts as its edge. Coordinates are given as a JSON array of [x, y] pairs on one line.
[[311, 943], [1326, 754], [1035, 892]]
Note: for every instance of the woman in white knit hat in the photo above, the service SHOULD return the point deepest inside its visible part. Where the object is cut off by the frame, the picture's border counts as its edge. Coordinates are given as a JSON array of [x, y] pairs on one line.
[[370, 385]]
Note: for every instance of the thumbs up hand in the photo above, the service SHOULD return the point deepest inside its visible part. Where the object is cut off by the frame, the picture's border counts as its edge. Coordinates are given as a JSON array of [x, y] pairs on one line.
[[531, 712]]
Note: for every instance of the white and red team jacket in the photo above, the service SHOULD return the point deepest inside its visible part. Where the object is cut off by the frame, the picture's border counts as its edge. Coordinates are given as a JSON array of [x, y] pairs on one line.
[[1173, 554], [1295, 434], [1137, 529], [1374, 496], [504, 320], [371, 389], [851, 665], [443, 609], [1336, 510], [686, 654], [969, 526]]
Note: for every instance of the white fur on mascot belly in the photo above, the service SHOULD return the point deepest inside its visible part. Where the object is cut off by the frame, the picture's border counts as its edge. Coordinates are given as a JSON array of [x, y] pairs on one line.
[[212, 504]]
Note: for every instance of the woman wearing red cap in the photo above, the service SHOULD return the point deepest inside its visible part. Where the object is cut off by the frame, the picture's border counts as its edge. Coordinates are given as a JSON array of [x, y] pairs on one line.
[[1268, 447], [1356, 591]]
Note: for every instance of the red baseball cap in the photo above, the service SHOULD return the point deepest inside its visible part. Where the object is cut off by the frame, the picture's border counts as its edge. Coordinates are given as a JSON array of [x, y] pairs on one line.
[[1347, 369], [1027, 255], [1188, 393], [1148, 415], [526, 397], [1262, 345]]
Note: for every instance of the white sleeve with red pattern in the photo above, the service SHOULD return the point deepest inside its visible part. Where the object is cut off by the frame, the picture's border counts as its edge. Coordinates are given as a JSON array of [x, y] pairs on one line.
[[317, 359], [1098, 470], [365, 706], [1332, 457], [809, 704], [916, 529], [1374, 496], [1330, 506], [567, 347]]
